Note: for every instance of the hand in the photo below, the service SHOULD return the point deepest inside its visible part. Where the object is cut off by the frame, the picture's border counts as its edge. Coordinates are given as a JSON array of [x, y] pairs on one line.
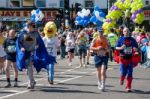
[[37, 46], [99, 47], [23, 49], [122, 47], [136, 53]]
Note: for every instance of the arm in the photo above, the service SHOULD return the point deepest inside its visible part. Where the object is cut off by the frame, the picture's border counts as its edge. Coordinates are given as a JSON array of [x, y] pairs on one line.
[[92, 45], [118, 45], [5, 45]]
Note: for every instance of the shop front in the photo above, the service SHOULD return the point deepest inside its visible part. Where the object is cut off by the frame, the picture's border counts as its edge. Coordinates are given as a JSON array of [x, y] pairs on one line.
[[17, 17], [146, 23]]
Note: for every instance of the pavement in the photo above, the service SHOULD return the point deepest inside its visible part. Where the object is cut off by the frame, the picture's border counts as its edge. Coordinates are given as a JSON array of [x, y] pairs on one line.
[[73, 82]]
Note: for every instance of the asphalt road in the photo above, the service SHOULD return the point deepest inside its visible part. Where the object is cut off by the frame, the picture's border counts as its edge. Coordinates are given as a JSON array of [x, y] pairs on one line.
[[72, 82]]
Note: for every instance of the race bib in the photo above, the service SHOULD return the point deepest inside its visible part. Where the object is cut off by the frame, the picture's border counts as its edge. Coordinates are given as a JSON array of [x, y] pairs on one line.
[[11, 48], [127, 50], [50, 50]]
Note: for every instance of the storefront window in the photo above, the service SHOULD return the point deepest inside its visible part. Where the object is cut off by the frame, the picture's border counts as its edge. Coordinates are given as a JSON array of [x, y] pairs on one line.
[[146, 2], [14, 3], [40, 3], [62, 3], [28, 3], [89, 4]]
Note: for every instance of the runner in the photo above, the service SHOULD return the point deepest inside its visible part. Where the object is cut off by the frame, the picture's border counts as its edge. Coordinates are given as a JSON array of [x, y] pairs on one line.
[[100, 48], [27, 42], [81, 42], [52, 43], [2, 52], [10, 49], [70, 46], [127, 47]]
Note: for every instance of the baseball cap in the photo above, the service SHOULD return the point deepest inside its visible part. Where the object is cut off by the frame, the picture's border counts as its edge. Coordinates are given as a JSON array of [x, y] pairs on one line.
[[101, 30]]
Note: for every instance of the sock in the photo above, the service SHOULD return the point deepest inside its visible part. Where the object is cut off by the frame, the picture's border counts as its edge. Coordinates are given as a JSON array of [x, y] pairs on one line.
[[16, 79], [99, 82], [8, 80]]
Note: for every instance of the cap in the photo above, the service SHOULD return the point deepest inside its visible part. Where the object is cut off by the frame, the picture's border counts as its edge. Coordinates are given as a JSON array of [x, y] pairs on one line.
[[100, 30]]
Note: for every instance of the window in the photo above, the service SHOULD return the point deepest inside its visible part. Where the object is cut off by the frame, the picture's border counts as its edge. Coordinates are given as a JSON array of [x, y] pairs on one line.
[[89, 3], [40, 3], [14, 3], [62, 3], [146, 2], [28, 3]]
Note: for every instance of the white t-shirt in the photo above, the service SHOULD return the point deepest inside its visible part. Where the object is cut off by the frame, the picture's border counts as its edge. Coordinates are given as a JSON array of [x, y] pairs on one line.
[[51, 45], [70, 43]]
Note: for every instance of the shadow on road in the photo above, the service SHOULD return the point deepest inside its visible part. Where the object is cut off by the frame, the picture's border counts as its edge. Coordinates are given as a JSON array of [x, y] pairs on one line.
[[83, 84], [66, 91]]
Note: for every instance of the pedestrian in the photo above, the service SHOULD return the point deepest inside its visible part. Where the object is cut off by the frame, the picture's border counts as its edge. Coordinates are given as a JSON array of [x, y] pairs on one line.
[[62, 46], [28, 43], [2, 52], [70, 46], [52, 43], [10, 49], [112, 38], [82, 48], [128, 49], [100, 48]]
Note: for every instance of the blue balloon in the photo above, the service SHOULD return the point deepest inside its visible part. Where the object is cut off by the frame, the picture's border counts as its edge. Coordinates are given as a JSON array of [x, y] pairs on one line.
[[96, 8], [38, 10], [33, 18], [93, 19], [78, 18], [102, 14]]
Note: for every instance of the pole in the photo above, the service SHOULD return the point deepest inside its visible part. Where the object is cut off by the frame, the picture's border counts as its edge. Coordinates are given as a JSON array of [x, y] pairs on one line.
[[108, 5]]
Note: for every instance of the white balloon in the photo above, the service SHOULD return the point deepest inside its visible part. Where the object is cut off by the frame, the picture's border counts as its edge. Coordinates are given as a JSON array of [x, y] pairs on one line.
[[36, 19], [79, 13], [33, 12], [82, 15], [88, 11], [98, 16], [83, 10]]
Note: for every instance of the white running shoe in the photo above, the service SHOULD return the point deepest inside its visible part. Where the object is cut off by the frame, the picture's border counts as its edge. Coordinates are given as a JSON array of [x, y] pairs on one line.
[[70, 64]]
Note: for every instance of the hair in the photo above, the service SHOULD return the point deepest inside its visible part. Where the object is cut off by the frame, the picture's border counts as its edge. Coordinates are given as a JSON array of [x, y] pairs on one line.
[[112, 30], [29, 23]]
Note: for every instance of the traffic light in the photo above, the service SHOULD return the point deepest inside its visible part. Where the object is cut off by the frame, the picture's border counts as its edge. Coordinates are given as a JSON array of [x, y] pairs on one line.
[[77, 7], [66, 8]]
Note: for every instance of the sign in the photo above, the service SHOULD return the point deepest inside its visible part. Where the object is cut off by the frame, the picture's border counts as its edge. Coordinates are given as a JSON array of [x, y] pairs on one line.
[[147, 13], [8, 14]]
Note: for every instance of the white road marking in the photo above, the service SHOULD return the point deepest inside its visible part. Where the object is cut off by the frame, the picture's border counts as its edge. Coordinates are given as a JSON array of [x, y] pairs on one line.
[[59, 81], [7, 96]]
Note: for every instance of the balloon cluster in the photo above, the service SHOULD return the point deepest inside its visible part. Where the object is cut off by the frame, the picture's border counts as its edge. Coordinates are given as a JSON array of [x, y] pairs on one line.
[[83, 17], [36, 15], [137, 12], [116, 11], [98, 16]]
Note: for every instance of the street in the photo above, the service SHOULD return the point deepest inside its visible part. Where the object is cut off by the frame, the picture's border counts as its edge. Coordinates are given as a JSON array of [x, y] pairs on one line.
[[72, 82]]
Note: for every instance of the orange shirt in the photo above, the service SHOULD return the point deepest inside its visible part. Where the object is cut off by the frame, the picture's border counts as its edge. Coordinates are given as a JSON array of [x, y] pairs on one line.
[[101, 42]]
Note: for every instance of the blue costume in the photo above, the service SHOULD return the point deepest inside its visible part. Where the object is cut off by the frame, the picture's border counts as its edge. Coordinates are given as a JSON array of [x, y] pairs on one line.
[[40, 58]]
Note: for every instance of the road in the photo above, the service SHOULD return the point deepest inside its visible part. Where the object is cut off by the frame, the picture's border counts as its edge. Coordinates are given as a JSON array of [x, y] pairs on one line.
[[72, 82]]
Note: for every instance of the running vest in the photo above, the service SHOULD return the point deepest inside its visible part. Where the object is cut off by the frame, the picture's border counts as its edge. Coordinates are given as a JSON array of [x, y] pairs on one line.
[[101, 42]]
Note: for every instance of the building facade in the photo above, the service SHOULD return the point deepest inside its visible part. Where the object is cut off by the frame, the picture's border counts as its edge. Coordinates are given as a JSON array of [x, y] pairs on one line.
[[20, 10]]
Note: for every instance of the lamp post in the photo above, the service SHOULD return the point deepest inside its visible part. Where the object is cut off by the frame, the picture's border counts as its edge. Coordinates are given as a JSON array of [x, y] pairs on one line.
[[108, 5]]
